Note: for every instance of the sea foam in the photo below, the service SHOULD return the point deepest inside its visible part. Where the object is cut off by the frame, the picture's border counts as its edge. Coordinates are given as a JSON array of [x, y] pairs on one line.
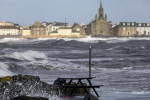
[[27, 55], [4, 70]]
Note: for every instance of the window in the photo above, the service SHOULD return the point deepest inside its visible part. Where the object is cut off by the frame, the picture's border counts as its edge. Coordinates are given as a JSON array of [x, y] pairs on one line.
[[128, 24], [124, 28], [124, 24], [78, 29], [132, 24]]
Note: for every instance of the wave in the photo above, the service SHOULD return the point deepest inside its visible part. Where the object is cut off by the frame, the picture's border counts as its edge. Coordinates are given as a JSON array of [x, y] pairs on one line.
[[86, 39], [4, 70], [27, 55]]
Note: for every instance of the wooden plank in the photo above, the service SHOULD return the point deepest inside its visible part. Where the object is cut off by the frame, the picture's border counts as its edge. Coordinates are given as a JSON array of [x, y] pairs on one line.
[[96, 86], [78, 78]]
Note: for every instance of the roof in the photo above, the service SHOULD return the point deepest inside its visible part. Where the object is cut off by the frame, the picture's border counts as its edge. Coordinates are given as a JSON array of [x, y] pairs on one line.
[[60, 23], [128, 24], [8, 27], [143, 24], [53, 32], [41, 26], [65, 28]]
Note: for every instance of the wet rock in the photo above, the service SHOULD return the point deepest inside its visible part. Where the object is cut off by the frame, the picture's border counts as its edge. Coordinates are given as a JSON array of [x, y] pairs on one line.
[[24, 85]]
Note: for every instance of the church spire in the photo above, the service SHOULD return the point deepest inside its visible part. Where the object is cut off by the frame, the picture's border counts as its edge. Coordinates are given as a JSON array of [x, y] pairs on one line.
[[106, 17], [101, 14], [101, 4]]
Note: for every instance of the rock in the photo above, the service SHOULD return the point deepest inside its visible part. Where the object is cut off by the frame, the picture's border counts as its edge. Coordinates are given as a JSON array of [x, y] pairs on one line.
[[25, 85], [29, 98]]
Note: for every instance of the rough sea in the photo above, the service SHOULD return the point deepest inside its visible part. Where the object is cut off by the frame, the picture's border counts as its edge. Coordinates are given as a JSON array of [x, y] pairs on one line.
[[122, 65]]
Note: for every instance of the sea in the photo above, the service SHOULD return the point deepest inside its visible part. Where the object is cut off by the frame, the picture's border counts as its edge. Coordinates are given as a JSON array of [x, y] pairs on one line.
[[120, 64]]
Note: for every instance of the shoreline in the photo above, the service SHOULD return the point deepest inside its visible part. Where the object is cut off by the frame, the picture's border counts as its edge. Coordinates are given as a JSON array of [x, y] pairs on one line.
[[73, 37]]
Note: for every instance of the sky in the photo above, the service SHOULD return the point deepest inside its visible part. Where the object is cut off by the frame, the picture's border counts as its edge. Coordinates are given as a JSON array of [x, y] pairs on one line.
[[26, 12]]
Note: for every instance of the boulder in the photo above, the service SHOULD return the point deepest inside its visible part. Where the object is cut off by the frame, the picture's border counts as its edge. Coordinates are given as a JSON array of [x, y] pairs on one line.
[[26, 85]]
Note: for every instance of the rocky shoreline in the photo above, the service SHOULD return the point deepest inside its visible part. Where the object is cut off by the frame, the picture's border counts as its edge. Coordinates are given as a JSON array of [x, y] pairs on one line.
[[24, 85]]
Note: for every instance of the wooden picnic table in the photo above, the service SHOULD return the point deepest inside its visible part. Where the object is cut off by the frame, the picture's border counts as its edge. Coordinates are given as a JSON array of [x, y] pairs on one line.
[[79, 81]]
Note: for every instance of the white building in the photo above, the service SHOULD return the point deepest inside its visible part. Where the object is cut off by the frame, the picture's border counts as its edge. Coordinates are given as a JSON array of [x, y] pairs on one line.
[[52, 27], [65, 32], [9, 30], [143, 29], [6, 23]]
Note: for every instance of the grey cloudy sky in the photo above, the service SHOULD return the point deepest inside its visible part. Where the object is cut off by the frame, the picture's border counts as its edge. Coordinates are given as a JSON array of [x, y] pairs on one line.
[[82, 11]]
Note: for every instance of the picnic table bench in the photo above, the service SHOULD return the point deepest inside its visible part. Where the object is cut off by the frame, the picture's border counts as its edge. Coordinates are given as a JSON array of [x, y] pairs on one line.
[[80, 84]]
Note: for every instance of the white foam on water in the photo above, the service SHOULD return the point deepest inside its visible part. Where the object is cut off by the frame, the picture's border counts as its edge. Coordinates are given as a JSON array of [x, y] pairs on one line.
[[85, 39], [63, 64], [140, 92], [4, 70], [10, 40], [27, 55]]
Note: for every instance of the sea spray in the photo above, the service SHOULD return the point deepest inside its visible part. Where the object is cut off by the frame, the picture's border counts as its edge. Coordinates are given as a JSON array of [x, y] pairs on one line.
[[4, 70], [25, 85]]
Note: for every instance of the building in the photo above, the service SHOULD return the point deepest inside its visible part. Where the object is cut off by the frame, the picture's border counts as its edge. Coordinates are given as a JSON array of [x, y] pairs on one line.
[[37, 29], [26, 32], [78, 28], [52, 27], [6, 23], [143, 29], [100, 26], [9, 31], [125, 29], [64, 32]]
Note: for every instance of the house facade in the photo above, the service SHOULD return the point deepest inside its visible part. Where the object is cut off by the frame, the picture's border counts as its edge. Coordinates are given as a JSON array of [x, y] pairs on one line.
[[143, 29], [78, 28], [4, 23], [64, 32], [52, 27], [9, 31], [26, 32], [125, 29], [38, 30]]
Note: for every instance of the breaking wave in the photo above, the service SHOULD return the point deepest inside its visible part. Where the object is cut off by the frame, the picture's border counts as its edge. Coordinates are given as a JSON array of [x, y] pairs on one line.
[[27, 55], [4, 70], [86, 39]]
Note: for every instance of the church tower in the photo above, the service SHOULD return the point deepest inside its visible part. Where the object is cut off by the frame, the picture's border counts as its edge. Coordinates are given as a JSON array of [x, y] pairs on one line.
[[101, 11], [99, 26]]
